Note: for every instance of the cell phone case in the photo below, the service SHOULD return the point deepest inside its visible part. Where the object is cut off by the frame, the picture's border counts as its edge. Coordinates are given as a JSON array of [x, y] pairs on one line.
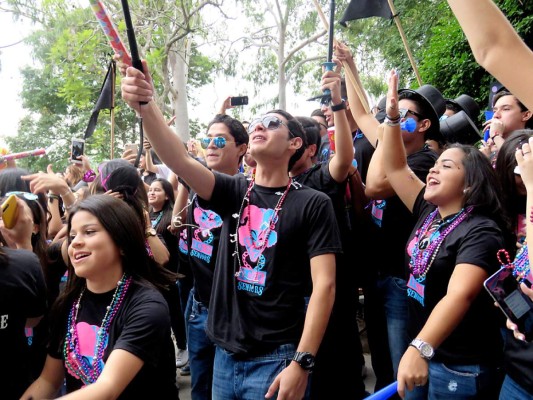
[[9, 211], [504, 288]]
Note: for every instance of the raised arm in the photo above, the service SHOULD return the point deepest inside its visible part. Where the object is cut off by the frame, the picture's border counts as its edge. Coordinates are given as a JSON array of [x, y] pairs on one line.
[[340, 164], [137, 87], [496, 46], [365, 121], [404, 182]]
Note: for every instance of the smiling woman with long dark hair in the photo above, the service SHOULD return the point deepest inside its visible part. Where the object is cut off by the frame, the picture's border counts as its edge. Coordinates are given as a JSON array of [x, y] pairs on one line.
[[111, 313]]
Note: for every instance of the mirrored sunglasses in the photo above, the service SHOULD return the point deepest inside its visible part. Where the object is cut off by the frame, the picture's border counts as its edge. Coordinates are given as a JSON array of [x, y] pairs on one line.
[[405, 111], [25, 195], [270, 122], [219, 141]]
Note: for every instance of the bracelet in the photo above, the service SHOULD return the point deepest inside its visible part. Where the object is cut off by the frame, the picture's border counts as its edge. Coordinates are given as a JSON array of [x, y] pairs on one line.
[[391, 123], [66, 193], [338, 107], [53, 197], [89, 176], [393, 119], [176, 221]]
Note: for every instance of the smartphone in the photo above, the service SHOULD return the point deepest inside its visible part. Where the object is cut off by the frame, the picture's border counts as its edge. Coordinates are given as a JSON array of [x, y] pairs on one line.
[[132, 147], [9, 211], [239, 101], [516, 306], [77, 149]]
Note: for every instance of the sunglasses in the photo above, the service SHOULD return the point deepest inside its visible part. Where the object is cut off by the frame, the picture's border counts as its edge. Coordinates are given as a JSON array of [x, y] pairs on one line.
[[405, 111], [270, 122], [25, 195], [219, 141]]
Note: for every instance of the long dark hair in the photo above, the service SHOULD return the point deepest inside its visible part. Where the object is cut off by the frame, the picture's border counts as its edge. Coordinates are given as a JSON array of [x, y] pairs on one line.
[[123, 226], [120, 176], [483, 189], [514, 202], [167, 208]]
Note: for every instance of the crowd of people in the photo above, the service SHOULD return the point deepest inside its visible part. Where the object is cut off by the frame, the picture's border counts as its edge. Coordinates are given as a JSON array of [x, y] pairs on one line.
[[240, 257]]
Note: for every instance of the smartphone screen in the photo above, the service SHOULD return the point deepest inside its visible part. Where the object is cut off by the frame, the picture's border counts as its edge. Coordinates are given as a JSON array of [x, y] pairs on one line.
[[518, 307], [78, 146], [239, 100]]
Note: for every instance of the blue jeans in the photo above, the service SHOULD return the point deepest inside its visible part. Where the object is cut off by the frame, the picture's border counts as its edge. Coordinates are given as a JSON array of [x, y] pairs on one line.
[[393, 292], [201, 351], [458, 382], [513, 391], [237, 378]]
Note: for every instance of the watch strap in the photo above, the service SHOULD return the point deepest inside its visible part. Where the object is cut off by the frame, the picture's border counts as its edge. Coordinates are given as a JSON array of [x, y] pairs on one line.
[[338, 107]]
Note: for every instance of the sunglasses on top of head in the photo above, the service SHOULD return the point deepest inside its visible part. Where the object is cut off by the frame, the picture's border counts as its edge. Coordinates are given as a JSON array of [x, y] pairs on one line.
[[269, 122], [405, 111], [219, 141], [23, 195]]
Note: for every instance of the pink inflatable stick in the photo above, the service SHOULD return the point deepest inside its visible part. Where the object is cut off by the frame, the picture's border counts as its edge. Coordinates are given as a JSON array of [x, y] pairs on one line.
[[24, 154], [110, 31]]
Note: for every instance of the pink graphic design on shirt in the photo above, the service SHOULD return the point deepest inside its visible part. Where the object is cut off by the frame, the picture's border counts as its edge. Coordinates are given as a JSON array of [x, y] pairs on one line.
[[202, 240], [87, 342], [255, 235], [253, 239]]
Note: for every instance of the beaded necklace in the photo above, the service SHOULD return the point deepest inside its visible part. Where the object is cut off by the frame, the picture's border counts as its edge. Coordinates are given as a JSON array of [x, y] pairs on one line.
[[425, 252], [76, 363], [520, 265], [155, 222], [265, 233]]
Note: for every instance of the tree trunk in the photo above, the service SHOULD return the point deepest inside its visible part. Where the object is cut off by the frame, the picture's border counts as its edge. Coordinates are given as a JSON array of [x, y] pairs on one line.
[[179, 64]]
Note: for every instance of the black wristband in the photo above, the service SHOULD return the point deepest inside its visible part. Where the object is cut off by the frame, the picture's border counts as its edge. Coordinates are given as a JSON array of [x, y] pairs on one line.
[[338, 107]]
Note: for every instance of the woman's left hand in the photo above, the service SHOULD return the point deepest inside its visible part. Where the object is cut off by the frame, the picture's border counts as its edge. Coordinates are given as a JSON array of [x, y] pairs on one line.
[[392, 96], [412, 372]]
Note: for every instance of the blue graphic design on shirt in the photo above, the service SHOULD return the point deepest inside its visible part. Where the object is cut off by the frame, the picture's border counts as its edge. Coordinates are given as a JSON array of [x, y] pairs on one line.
[[415, 289], [378, 206]]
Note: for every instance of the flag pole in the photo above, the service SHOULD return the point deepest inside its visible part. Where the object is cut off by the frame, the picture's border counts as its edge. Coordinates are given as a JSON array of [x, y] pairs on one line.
[[112, 134], [348, 71], [113, 77], [404, 40]]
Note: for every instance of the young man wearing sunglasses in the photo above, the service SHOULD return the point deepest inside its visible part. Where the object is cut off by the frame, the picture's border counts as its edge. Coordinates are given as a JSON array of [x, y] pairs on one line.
[[385, 287], [341, 341], [277, 237], [225, 146]]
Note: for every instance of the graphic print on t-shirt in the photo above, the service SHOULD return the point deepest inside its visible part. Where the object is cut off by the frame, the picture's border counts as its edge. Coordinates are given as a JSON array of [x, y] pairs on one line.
[[202, 237], [256, 233], [87, 335]]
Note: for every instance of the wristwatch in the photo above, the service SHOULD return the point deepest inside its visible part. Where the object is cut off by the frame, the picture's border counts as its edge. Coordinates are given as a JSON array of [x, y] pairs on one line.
[[338, 107], [305, 360], [150, 232], [425, 349]]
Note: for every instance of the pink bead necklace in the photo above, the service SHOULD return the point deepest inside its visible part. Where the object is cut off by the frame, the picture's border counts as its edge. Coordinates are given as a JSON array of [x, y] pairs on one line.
[[426, 249], [75, 362], [262, 237]]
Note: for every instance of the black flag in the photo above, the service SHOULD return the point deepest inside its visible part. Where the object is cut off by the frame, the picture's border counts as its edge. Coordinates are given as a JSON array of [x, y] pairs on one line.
[[106, 100], [358, 9]]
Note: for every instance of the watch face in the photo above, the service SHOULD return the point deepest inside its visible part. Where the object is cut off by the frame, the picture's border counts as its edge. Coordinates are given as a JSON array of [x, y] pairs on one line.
[[307, 361], [426, 350]]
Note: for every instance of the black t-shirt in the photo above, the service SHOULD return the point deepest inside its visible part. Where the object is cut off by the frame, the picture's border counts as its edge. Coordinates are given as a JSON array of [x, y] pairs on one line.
[[363, 153], [395, 222], [202, 243], [22, 296], [476, 240], [141, 327], [319, 178], [260, 305], [169, 240]]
